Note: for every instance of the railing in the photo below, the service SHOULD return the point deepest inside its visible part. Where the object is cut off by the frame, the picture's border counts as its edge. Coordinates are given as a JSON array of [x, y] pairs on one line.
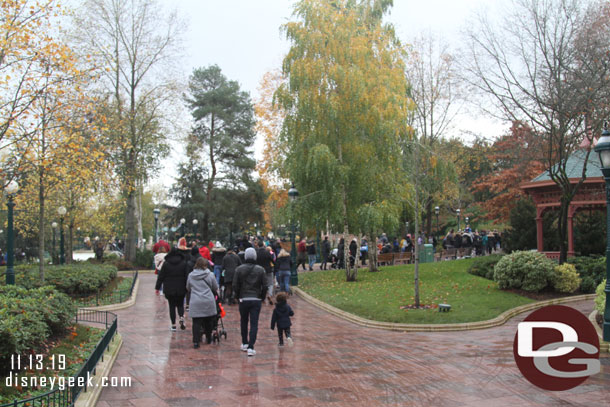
[[114, 297], [67, 397]]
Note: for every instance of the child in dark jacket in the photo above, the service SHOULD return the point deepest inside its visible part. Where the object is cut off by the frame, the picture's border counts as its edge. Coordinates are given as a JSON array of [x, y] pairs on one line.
[[281, 317]]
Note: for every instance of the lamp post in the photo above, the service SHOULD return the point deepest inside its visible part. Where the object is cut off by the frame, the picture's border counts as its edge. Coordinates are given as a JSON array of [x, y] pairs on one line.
[[61, 211], [437, 210], [407, 225], [458, 218], [603, 149], [11, 189], [195, 222], [156, 211], [182, 222], [294, 277], [467, 220], [54, 227]]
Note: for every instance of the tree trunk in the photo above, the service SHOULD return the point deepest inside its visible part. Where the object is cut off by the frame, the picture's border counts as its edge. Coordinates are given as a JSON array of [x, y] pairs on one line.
[[130, 227], [429, 217], [372, 254], [139, 217], [41, 227], [69, 248], [562, 228]]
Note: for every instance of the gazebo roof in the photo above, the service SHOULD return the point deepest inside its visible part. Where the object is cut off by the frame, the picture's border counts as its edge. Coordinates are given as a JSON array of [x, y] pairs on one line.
[[574, 166]]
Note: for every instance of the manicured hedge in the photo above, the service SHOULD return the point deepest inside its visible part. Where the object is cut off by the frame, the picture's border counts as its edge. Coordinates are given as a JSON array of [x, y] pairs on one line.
[[600, 297], [484, 266], [80, 278], [28, 317], [592, 270]]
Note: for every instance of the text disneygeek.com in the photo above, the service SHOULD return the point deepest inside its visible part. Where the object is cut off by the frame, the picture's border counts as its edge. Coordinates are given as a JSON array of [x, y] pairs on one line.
[[61, 383]]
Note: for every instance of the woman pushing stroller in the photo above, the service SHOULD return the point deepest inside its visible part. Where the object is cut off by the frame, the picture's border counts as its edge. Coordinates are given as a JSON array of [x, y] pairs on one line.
[[204, 289]]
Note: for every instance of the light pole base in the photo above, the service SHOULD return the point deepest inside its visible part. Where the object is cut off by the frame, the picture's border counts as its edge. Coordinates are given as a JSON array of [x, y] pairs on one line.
[[606, 330]]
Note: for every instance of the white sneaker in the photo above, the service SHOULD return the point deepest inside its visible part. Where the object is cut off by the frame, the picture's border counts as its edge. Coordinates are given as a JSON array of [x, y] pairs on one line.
[[244, 347], [289, 341], [251, 352]]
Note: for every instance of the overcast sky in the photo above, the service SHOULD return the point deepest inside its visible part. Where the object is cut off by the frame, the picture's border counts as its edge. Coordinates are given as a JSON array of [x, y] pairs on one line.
[[243, 37]]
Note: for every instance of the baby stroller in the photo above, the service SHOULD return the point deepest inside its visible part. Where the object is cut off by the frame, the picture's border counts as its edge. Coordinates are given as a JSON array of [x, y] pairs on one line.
[[334, 259], [218, 331]]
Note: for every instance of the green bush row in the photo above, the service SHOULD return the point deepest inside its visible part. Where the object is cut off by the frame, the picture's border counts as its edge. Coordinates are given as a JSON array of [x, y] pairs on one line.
[[28, 317], [79, 278], [592, 271], [600, 297], [484, 266]]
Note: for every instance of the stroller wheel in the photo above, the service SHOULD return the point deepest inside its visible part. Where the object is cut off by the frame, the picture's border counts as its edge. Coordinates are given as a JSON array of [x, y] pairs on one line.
[[224, 334]]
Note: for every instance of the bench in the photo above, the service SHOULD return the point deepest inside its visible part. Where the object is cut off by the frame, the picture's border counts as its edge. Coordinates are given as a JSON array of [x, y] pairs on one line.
[[386, 259], [403, 258], [444, 307]]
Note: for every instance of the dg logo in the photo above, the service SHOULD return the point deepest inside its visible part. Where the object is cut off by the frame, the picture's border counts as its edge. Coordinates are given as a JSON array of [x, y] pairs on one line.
[[557, 348]]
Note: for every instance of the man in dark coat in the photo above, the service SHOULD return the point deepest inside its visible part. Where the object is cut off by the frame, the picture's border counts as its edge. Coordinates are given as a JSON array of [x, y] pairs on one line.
[[324, 252], [264, 258], [249, 286], [230, 262], [173, 277]]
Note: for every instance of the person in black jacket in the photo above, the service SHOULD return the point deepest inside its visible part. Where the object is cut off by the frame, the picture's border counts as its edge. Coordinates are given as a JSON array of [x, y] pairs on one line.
[[249, 286], [265, 259], [353, 249], [324, 252], [173, 276], [281, 317], [230, 262], [341, 254]]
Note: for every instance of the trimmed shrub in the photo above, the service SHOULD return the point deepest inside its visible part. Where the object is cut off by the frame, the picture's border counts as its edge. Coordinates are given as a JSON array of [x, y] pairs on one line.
[[484, 266], [80, 278], [567, 279], [144, 259], [28, 317], [600, 298], [529, 271], [592, 271]]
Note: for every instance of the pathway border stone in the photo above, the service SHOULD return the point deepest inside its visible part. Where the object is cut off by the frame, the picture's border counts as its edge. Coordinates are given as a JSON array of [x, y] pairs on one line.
[[102, 369], [467, 326], [125, 304]]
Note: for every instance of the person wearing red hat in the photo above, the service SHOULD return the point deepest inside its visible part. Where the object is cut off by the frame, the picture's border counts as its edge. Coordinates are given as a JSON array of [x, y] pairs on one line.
[[159, 244]]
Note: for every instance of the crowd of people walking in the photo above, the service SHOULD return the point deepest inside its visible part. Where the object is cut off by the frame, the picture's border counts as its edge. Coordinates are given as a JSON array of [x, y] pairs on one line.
[[200, 278]]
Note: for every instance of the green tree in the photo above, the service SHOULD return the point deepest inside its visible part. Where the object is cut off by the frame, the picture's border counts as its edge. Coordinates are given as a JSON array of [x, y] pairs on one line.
[[346, 106], [221, 139]]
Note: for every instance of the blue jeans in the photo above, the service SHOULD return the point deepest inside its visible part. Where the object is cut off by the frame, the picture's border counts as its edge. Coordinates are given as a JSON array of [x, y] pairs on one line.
[[312, 260], [217, 273], [249, 310], [284, 276]]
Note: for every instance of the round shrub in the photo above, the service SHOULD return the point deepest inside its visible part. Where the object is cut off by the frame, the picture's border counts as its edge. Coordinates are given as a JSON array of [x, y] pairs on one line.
[[567, 279], [529, 271], [600, 297]]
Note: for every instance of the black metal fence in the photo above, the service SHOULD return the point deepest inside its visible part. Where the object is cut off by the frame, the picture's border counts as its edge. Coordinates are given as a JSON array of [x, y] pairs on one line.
[[114, 297], [67, 396]]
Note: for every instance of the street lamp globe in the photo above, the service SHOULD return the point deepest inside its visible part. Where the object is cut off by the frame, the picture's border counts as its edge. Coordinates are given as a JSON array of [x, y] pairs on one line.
[[603, 148], [458, 211], [195, 222], [437, 210], [54, 225], [156, 211], [12, 187], [182, 221], [61, 211]]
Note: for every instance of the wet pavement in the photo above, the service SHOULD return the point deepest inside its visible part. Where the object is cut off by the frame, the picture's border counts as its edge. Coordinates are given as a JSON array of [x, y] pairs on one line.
[[332, 363]]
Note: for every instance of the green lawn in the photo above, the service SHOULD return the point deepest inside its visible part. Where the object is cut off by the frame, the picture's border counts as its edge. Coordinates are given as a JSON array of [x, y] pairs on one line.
[[115, 292], [379, 296]]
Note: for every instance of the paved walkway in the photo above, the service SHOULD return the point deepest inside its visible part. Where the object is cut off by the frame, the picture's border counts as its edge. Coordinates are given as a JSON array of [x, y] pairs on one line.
[[333, 362]]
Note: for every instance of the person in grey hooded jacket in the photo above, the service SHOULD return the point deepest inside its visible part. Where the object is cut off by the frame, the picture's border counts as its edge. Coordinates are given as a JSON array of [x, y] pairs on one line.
[[203, 286]]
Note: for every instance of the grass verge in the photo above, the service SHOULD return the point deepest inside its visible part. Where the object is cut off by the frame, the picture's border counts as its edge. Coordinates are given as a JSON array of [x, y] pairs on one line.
[[75, 346], [380, 296], [115, 292]]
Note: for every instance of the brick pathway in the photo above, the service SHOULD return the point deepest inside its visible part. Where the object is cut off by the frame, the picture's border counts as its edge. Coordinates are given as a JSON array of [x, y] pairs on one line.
[[333, 363]]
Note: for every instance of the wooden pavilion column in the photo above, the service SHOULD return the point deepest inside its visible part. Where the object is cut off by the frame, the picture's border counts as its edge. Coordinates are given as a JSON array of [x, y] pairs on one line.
[[571, 211], [539, 231]]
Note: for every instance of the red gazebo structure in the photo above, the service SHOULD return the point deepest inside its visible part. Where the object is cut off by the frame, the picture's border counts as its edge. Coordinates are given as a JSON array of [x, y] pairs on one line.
[[546, 195]]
